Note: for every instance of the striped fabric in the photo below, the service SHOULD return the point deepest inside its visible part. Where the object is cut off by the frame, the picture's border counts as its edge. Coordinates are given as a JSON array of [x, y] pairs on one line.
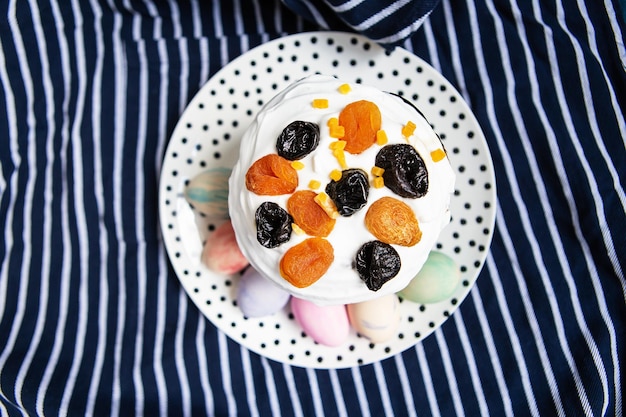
[[93, 320], [388, 22]]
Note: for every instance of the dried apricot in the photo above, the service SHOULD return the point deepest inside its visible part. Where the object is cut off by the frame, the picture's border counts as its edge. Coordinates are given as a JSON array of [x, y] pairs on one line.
[[308, 215], [361, 121], [302, 265], [392, 221], [271, 175]]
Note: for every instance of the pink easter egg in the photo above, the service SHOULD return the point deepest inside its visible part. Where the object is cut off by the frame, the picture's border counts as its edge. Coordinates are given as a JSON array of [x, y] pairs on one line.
[[327, 325], [221, 252]]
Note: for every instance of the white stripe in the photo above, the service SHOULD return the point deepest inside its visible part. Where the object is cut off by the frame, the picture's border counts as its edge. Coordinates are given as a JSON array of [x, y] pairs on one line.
[[357, 378], [315, 389], [47, 215], [207, 392], [350, 4], [493, 353], [258, 20], [613, 17], [175, 19], [380, 15], [449, 370], [317, 16], [432, 45], [29, 190], [163, 269], [248, 378], [118, 199], [103, 292], [196, 19], [270, 383], [179, 356], [159, 337], [142, 122], [293, 390], [382, 387], [217, 20], [427, 379], [222, 345], [405, 384]]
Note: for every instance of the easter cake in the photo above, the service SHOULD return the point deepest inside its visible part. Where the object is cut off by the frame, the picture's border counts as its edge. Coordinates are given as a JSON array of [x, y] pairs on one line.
[[340, 191]]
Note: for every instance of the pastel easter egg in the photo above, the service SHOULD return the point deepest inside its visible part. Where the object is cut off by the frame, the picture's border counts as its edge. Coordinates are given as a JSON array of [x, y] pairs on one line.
[[207, 192], [377, 319], [221, 252], [327, 325], [436, 281], [257, 296]]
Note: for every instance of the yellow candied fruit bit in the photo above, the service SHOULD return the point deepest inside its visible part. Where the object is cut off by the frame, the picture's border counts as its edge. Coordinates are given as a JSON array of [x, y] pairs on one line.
[[344, 88], [314, 184], [341, 158], [324, 201], [377, 171], [378, 182], [297, 230], [381, 138], [408, 129], [320, 103], [437, 155], [338, 144], [337, 132], [333, 121], [335, 175], [297, 165]]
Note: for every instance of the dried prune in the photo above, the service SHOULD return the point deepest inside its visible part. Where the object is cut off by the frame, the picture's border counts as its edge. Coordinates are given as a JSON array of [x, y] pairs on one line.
[[297, 140], [376, 263], [302, 265], [361, 121], [405, 172], [350, 192], [273, 225]]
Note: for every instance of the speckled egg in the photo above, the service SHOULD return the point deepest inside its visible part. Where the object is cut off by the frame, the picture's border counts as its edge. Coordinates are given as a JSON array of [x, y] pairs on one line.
[[257, 296], [377, 319], [436, 281], [207, 192], [327, 325], [221, 252]]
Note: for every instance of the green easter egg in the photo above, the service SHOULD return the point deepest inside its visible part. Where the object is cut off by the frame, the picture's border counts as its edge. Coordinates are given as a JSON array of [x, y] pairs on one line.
[[436, 281], [207, 192]]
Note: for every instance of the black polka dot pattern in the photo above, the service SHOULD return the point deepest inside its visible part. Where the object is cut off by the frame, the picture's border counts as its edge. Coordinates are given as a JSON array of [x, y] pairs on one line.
[[208, 134]]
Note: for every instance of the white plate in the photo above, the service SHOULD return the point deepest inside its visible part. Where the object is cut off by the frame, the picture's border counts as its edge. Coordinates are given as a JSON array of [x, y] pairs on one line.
[[207, 136]]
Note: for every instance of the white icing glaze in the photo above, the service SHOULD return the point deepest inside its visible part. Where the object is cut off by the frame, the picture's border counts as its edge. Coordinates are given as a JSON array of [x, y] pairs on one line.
[[341, 283]]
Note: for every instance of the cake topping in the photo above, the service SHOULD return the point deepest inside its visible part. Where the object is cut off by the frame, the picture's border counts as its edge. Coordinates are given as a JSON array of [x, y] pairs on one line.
[[349, 193], [308, 215], [405, 172], [392, 221], [271, 175], [297, 140], [303, 264], [376, 263], [408, 129], [361, 121], [273, 225]]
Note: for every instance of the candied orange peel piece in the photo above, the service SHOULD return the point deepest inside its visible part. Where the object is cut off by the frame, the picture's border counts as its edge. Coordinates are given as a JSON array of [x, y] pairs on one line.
[[437, 155]]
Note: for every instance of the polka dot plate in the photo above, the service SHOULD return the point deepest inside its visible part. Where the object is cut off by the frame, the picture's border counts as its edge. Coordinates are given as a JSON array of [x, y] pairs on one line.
[[207, 136]]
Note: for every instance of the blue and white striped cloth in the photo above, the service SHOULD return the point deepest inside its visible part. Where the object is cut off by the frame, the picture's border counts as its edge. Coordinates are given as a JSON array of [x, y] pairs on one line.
[[93, 320]]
